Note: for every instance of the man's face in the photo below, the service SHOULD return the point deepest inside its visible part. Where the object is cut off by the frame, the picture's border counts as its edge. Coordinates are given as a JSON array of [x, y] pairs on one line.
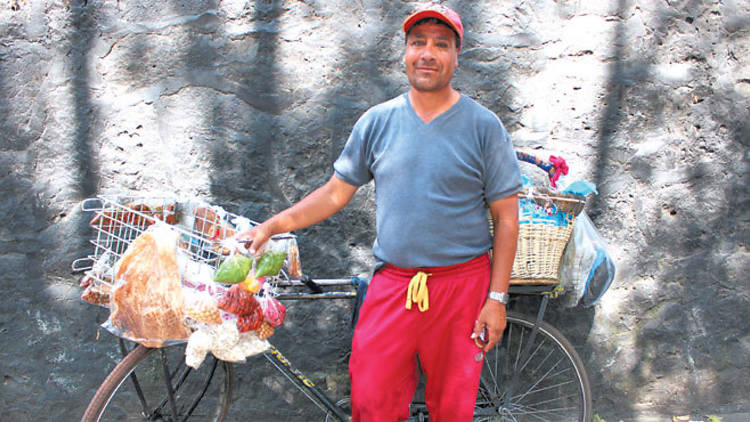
[[431, 56]]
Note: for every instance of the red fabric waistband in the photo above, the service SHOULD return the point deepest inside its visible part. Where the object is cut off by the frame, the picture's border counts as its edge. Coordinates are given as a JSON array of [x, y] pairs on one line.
[[477, 262]]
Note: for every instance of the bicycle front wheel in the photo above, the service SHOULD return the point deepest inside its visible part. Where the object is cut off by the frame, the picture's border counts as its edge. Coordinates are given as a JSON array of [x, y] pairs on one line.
[[533, 376], [156, 385]]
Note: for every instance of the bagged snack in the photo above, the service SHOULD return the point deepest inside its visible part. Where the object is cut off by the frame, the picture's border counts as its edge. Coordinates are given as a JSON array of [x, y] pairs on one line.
[[270, 263], [147, 300], [251, 321], [97, 294], [252, 283], [234, 269], [97, 282], [238, 301], [273, 310], [293, 262], [201, 307], [225, 342], [265, 330]]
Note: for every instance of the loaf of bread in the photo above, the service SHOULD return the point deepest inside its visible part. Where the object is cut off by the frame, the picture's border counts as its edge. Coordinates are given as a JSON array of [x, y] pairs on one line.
[[147, 300]]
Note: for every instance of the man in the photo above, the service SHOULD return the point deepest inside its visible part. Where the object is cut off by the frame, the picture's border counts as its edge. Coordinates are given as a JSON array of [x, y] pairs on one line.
[[438, 160]]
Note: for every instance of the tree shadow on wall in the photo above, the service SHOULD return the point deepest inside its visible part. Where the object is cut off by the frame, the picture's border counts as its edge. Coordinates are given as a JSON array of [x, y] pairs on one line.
[[39, 238], [689, 332]]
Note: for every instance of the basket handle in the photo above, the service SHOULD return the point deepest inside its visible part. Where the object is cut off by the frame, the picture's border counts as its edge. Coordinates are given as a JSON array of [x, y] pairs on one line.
[[554, 167], [82, 264], [92, 204]]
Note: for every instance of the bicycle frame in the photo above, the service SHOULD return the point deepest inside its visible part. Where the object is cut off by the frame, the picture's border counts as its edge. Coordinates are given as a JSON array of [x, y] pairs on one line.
[[283, 365], [304, 384]]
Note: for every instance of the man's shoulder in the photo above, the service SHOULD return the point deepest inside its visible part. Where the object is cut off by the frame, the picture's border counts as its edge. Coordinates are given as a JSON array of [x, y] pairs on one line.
[[480, 111]]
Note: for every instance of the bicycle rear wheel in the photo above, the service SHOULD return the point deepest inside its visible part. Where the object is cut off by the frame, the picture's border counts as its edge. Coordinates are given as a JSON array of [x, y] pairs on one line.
[[156, 385], [529, 377]]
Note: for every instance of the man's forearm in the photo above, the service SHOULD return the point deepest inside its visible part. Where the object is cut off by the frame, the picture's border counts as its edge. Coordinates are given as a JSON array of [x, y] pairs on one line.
[[314, 208]]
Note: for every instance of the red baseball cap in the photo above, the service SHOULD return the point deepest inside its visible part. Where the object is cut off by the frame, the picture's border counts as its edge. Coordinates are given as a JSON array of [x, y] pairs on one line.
[[441, 12]]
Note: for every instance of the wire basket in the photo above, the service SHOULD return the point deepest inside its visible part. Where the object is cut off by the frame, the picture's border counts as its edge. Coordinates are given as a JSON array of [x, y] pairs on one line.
[[154, 264], [119, 220], [541, 245]]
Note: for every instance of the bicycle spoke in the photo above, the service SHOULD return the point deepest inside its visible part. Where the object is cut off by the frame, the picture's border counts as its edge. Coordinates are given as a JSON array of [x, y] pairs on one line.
[[531, 376], [541, 379], [558, 413], [167, 390]]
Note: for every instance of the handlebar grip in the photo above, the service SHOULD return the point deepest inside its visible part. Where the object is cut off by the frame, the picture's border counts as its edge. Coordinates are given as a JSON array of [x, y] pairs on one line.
[[311, 284]]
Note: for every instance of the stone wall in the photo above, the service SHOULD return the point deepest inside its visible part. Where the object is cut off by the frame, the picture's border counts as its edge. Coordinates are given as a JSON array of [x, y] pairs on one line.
[[247, 103]]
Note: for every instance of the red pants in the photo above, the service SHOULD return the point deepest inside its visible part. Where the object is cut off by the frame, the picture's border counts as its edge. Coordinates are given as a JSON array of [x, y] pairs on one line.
[[388, 337]]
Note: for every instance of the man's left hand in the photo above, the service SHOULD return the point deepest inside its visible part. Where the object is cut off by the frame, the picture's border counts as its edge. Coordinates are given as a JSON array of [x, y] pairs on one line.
[[492, 319]]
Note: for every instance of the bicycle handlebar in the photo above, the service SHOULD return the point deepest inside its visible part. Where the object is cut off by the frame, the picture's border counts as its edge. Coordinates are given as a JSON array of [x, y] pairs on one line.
[[554, 167]]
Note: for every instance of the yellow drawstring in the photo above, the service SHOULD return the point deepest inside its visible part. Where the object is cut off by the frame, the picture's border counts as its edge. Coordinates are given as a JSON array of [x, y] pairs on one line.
[[417, 292]]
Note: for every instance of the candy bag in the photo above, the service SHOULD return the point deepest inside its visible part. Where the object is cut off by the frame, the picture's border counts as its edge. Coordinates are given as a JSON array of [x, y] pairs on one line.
[[273, 311], [251, 321], [270, 263], [238, 301], [234, 269]]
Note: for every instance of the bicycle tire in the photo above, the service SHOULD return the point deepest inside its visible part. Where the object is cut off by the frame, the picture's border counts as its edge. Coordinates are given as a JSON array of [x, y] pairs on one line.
[[551, 381], [199, 395]]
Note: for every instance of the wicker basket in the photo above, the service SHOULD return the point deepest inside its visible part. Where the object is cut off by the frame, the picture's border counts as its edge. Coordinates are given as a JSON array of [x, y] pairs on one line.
[[540, 246]]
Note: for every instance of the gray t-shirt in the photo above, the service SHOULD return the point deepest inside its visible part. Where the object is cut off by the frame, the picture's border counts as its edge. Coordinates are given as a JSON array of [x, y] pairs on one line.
[[433, 180]]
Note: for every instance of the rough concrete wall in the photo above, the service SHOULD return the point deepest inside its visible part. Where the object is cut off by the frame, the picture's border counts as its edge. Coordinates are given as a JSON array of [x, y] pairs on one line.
[[247, 104]]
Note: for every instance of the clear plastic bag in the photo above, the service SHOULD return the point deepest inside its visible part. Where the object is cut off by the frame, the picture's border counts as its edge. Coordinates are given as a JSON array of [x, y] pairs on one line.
[[157, 272], [586, 269], [273, 311], [147, 301]]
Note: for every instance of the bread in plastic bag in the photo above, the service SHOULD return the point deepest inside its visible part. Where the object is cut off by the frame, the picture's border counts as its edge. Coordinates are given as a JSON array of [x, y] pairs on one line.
[[147, 299], [586, 269]]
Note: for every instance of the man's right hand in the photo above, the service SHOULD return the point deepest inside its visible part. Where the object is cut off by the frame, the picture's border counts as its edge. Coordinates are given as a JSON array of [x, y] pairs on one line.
[[255, 238]]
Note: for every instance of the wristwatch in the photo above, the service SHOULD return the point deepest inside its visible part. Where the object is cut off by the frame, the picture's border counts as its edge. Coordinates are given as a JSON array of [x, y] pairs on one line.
[[499, 296]]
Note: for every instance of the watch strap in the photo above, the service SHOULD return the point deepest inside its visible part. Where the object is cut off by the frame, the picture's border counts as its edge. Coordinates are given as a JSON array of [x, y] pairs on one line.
[[501, 297]]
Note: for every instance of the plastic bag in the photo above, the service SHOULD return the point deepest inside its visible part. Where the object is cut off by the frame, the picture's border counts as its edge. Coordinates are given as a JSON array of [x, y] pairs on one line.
[[270, 263], [147, 301], [97, 283], [293, 261], [238, 301], [273, 310], [225, 342], [201, 306], [586, 269], [234, 269]]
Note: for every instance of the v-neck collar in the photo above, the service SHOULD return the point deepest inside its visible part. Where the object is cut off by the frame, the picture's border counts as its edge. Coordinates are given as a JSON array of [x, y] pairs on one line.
[[435, 121]]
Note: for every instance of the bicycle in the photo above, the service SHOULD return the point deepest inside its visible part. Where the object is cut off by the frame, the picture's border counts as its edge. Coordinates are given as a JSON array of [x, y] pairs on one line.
[[534, 373]]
